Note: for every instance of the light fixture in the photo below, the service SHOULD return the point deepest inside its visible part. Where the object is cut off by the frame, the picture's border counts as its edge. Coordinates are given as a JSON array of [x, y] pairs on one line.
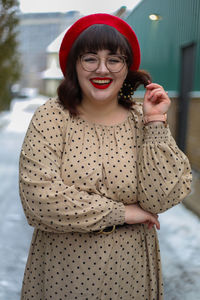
[[154, 17]]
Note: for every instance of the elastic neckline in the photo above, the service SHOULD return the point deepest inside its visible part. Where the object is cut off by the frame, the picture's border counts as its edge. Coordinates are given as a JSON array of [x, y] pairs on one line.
[[103, 125]]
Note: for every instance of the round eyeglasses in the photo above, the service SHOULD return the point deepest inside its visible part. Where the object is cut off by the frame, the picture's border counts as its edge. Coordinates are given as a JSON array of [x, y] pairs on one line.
[[114, 63]]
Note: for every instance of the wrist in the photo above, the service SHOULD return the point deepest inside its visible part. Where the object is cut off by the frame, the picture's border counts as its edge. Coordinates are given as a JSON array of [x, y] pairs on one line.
[[155, 118], [126, 214]]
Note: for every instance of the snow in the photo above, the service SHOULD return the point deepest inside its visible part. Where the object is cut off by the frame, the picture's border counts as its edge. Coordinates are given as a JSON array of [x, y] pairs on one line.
[[20, 114], [53, 72], [180, 252]]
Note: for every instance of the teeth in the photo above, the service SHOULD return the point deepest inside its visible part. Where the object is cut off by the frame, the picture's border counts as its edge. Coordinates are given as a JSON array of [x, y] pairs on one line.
[[101, 81]]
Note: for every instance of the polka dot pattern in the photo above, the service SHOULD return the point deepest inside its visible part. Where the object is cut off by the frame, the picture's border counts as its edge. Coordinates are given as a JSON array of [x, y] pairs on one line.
[[75, 178]]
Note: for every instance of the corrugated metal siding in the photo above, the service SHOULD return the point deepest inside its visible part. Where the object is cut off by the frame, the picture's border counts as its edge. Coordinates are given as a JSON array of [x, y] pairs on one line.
[[161, 41]]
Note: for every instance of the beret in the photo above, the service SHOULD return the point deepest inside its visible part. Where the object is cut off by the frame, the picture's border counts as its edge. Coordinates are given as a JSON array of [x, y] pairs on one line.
[[83, 23]]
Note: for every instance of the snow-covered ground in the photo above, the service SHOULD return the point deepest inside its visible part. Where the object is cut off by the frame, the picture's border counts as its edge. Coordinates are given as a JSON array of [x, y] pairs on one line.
[[15, 234], [180, 251], [17, 119], [179, 235]]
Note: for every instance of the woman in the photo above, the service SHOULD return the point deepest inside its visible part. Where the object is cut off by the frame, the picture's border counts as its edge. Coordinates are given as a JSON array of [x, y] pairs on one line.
[[96, 169]]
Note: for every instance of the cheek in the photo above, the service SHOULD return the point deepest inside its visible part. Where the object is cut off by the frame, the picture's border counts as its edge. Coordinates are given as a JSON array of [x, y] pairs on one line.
[[123, 75], [80, 76], [125, 72], [122, 78], [78, 72]]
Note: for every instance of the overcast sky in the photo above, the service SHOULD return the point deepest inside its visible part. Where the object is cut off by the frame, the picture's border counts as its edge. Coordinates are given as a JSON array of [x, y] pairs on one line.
[[84, 6]]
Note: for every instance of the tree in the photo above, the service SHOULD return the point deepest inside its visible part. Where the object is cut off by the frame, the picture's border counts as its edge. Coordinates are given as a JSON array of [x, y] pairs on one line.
[[9, 57]]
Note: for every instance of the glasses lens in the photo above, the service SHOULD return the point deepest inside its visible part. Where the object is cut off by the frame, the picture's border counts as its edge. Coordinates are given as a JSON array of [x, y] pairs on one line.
[[89, 62], [115, 63]]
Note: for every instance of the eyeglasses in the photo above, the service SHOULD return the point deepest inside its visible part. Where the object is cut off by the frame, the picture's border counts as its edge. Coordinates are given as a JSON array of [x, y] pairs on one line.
[[114, 63]]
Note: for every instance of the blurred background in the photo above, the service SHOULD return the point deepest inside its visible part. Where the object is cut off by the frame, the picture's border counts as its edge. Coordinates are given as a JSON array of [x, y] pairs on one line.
[[169, 35]]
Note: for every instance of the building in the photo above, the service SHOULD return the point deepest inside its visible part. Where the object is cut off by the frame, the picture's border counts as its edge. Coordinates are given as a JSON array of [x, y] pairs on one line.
[[52, 75], [36, 32], [169, 36]]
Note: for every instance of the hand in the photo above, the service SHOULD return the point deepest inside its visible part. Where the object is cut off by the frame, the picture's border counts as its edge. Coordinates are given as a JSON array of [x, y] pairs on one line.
[[134, 214], [156, 100]]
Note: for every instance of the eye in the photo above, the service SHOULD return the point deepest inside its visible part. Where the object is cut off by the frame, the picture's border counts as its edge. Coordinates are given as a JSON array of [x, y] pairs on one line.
[[115, 60], [89, 58]]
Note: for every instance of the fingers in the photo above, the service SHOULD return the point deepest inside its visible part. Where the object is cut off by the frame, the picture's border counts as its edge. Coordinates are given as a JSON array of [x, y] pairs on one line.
[[152, 86], [150, 225], [156, 94], [157, 223], [154, 221], [154, 91]]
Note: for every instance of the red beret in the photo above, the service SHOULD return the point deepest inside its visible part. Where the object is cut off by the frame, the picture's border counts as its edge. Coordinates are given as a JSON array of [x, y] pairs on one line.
[[79, 26]]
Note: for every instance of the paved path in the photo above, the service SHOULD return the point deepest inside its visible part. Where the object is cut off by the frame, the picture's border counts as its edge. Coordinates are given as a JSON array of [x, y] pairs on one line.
[[179, 235]]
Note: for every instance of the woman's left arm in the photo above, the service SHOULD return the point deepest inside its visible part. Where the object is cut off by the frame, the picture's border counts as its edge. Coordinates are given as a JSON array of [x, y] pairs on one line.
[[164, 173]]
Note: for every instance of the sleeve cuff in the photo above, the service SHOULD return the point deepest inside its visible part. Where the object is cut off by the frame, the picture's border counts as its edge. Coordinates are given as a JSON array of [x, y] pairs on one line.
[[156, 133], [119, 213]]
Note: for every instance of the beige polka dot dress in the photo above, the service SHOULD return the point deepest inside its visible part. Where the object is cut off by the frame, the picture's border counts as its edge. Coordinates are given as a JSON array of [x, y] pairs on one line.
[[75, 178]]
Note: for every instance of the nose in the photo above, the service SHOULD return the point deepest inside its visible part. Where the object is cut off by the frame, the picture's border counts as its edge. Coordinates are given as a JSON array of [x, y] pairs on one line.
[[102, 67]]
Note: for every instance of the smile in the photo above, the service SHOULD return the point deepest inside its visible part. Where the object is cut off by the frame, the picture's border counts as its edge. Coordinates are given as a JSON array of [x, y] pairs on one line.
[[101, 83]]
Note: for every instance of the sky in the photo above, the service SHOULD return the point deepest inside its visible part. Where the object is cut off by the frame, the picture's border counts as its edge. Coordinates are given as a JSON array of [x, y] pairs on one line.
[[84, 6]]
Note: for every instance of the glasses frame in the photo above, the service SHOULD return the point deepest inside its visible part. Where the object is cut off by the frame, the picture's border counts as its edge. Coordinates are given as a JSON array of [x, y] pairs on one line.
[[124, 58]]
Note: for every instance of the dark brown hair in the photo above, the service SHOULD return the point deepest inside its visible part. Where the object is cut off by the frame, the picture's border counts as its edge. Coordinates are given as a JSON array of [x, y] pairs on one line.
[[94, 38]]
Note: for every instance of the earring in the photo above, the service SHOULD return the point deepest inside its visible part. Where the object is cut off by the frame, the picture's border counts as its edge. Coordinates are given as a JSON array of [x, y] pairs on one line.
[[126, 91]]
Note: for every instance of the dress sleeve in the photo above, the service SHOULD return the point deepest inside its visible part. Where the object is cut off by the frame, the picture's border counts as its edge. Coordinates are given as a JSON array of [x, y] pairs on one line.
[[164, 173], [48, 203]]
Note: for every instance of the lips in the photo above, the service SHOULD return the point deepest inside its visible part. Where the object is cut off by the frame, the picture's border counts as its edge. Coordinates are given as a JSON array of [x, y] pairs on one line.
[[101, 83]]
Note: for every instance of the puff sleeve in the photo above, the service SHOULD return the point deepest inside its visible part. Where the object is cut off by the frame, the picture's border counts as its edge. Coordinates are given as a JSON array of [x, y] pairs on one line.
[[164, 173], [48, 203]]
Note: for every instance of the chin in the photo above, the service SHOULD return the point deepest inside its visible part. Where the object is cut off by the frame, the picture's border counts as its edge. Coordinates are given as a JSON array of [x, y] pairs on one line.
[[103, 97]]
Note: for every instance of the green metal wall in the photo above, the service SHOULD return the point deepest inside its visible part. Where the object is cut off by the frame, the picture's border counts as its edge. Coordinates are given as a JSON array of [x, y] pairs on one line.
[[161, 41]]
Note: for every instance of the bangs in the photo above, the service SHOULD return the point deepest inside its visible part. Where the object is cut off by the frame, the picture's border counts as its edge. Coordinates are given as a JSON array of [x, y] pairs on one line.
[[102, 37]]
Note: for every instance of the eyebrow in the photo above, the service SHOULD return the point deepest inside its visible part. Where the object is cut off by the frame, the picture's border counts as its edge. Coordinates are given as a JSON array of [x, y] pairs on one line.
[[95, 52], [90, 52]]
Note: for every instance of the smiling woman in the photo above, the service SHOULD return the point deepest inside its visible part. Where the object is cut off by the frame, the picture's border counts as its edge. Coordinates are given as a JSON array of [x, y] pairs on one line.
[[90, 41], [96, 169]]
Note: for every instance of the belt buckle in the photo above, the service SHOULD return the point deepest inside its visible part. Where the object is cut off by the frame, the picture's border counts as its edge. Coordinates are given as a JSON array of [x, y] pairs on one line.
[[113, 227]]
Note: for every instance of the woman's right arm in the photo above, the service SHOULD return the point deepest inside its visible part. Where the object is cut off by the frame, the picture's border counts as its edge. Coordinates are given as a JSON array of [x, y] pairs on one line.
[[48, 203]]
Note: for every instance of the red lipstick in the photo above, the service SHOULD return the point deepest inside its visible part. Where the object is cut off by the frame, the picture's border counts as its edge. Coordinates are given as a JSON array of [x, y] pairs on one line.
[[101, 82]]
